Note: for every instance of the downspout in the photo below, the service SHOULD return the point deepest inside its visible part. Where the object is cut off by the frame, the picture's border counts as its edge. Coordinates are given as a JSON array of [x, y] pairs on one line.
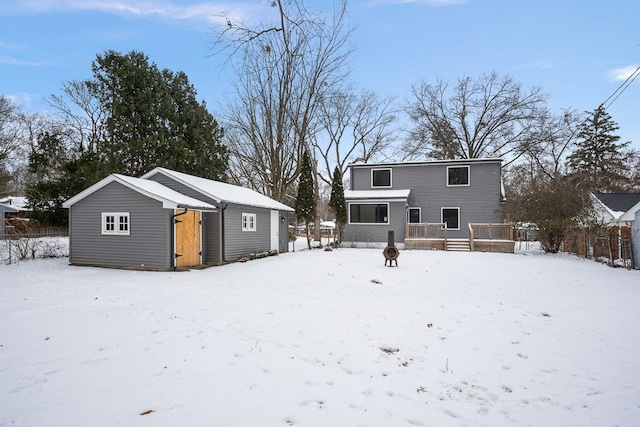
[[174, 221], [223, 206]]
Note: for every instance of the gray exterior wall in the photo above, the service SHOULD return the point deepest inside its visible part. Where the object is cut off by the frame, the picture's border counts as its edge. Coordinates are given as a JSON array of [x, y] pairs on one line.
[[479, 202], [211, 239], [147, 245], [237, 242]]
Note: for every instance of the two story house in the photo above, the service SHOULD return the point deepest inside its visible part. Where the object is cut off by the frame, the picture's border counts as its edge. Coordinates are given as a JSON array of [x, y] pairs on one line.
[[443, 196]]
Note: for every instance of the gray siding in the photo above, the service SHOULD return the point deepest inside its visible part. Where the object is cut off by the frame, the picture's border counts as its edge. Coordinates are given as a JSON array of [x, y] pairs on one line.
[[211, 230], [237, 242], [479, 202], [148, 244]]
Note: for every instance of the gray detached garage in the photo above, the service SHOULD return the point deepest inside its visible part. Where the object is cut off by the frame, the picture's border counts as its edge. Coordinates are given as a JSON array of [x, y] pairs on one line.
[[167, 219]]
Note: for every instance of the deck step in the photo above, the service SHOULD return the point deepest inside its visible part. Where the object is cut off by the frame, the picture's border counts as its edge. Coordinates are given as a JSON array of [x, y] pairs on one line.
[[458, 246]]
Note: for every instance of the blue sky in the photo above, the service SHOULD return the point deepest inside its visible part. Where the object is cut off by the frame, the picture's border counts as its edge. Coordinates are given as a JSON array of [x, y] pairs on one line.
[[578, 51]]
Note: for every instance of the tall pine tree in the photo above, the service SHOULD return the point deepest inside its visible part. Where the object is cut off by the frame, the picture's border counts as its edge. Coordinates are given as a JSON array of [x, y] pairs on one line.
[[598, 159], [305, 205], [337, 202]]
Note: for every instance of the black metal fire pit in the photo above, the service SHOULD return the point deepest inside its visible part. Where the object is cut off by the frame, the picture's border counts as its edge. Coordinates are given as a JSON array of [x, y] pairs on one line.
[[391, 252]]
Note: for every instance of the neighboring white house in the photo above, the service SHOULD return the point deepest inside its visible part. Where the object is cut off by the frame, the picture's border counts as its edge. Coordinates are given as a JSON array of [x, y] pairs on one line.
[[616, 208]]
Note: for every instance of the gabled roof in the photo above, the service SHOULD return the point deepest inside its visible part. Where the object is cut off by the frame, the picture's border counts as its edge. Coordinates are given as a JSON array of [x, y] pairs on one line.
[[618, 202], [170, 199], [399, 195], [7, 208], [221, 192], [619, 206], [18, 202]]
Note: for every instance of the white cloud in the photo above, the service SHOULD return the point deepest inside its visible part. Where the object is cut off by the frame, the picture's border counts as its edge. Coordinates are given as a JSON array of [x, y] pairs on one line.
[[9, 60], [543, 64], [420, 2], [194, 11], [621, 74]]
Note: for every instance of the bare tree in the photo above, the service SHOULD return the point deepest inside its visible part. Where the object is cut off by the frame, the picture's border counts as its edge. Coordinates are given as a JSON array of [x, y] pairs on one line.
[[80, 112], [355, 127], [487, 117], [286, 67]]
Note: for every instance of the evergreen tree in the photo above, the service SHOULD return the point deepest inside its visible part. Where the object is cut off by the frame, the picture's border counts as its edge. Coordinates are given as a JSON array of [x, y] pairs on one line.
[[598, 159], [337, 202], [154, 119], [305, 205]]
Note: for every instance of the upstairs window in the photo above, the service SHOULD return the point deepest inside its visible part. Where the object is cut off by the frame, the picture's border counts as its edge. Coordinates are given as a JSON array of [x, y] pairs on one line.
[[381, 178], [457, 176], [115, 223], [248, 222]]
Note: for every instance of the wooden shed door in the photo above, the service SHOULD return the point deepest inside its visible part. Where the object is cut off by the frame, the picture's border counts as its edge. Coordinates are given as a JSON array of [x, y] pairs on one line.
[[188, 239]]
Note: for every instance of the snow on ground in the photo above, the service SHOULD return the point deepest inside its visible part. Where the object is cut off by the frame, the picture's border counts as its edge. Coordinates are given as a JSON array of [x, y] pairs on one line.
[[310, 339]]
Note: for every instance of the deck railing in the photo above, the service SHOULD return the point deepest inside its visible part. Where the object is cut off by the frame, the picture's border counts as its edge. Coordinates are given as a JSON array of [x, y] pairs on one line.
[[491, 231], [426, 231]]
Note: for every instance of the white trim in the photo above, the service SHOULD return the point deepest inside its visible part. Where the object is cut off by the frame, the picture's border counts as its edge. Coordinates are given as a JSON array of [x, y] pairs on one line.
[[390, 177], [249, 221], [459, 167], [367, 203], [442, 216], [121, 225]]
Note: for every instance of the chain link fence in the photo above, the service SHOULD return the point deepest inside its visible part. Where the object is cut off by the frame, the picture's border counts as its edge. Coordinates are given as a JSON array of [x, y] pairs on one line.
[[37, 243]]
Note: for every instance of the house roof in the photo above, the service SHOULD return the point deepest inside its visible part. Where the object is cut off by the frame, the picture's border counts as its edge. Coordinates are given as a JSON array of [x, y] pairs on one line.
[[431, 162], [620, 206], [7, 208], [17, 202], [618, 202], [222, 192], [399, 195], [170, 199]]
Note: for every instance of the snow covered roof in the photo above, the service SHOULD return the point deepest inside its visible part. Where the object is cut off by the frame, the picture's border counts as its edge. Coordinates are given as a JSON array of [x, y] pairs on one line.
[[18, 202], [620, 206], [170, 199], [222, 192], [377, 194], [7, 208]]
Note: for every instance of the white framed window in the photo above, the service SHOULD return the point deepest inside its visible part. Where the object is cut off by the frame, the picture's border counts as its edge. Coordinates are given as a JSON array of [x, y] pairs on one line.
[[458, 176], [368, 213], [116, 223], [414, 215], [451, 217], [248, 222], [381, 178]]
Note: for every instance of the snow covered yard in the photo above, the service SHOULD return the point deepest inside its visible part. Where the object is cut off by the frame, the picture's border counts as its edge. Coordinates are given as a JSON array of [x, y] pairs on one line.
[[310, 339]]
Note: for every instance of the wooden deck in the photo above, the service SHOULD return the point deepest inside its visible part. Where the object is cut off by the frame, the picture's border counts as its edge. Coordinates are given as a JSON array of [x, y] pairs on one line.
[[482, 238]]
